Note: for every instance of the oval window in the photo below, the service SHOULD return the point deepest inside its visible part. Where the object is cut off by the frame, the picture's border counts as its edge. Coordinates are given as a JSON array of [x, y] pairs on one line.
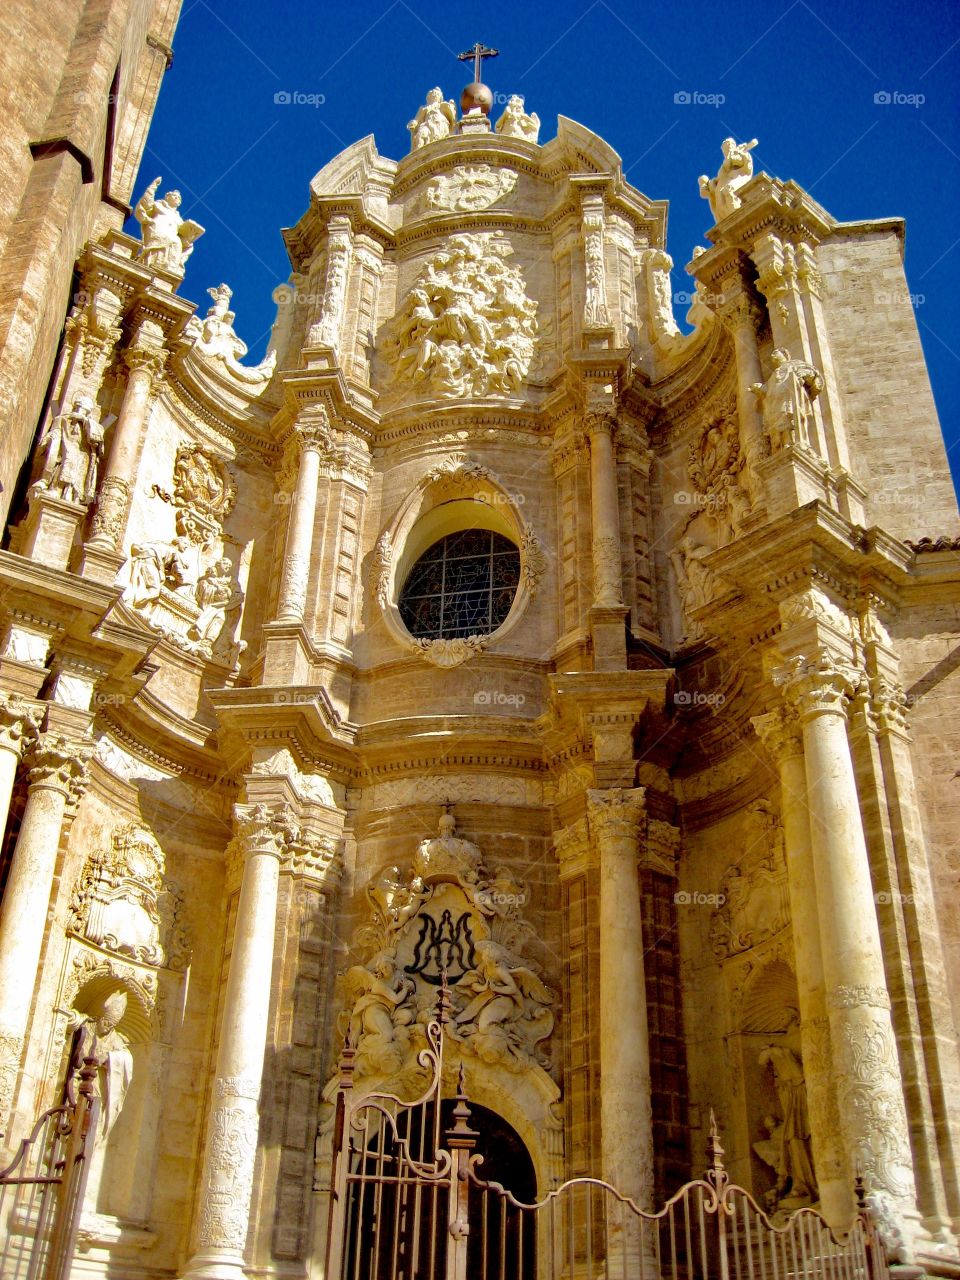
[[463, 585]]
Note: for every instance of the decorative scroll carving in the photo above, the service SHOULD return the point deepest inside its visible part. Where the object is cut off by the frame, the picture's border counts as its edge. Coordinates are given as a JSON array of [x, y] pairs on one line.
[[735, 172], [786, 399], [467, 327], [664, 330], [435, 120], [380, 569], [870, 1091], [215, 339], [326, 332], [168, 239], [449, 915], [124, 902], [232, 1151], [516, 122], [450, 653], [469, 189], [19, 722], [754, 892]]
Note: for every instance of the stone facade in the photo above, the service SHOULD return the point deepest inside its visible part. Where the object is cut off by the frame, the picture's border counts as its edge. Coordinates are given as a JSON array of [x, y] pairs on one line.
[[678, 825]]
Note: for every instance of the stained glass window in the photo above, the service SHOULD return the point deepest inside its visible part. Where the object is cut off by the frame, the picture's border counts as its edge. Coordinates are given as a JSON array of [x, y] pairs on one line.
[[463, 585]]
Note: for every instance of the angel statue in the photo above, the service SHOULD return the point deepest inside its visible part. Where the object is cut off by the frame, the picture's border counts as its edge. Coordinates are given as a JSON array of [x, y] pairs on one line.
[[168, 239], [507, 1014], [378, 997], [435, 120]]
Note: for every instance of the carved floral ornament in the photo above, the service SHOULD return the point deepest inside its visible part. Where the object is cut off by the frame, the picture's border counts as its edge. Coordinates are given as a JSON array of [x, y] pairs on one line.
[[445, 914], [455, 477]]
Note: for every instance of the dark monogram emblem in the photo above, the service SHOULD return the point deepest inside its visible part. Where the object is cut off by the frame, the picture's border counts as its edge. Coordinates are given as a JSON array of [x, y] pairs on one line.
[[443, 946]]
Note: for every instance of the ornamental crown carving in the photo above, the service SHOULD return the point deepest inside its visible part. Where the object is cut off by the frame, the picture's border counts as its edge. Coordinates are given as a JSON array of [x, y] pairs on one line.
[[202, 483], [447, 917], [467, 327], [124, 902]]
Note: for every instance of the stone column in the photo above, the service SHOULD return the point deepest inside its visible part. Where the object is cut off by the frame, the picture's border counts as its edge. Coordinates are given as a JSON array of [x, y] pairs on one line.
[[605, 509], [626, 1119], [741, 317], [56, 769], [313, 439], [19, 722], [869, 1086], [226, 1181], [145, 360], [782, 738]]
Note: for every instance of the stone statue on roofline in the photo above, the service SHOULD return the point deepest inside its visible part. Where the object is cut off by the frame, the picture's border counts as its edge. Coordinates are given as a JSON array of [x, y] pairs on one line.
[[168, 239], [516, 122], [435, 120], [735, 172]]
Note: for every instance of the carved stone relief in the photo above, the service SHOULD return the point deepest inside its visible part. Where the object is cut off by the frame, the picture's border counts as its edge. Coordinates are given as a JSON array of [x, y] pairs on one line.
[[469, 189], [124, 902], [215, 340], [467, 327], [446, 915], [755, 894]]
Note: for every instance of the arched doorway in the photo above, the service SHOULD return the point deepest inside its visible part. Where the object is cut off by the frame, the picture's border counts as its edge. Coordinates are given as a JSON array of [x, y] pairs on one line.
[[396, 1226]]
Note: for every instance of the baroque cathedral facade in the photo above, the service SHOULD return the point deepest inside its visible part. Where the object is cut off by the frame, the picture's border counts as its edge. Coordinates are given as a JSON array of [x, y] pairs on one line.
[[493, 636]]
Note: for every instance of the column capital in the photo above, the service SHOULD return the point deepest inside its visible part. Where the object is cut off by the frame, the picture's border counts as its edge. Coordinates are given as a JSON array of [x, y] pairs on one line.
[[264, 828], [889, 704], [55, 762], [779, 731], [312, 432], [19, 722], [148, 360], [616, 813], [600, 420], [817, 686]]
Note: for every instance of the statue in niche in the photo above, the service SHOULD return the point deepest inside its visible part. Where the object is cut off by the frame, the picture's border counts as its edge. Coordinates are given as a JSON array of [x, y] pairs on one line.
[[381, 1013], [72, 446], [506, 1010], [98, 1037], [516, 122], [695, 583], [168, 239], [786, 399], [435, 120], [735, 172], [789, 1141]]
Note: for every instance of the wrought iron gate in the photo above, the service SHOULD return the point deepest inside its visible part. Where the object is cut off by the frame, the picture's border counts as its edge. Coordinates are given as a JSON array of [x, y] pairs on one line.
[[41, 1191], [409, 1203]]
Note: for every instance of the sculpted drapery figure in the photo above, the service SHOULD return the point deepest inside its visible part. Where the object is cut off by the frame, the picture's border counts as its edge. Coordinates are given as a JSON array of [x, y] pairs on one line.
[[381, 1013], [794, 1168], [436, 119], [786, 399], [158, 564], [72, 446], [97, 1037], [516, 122], [168, 239], [216, 595], [735, 172]]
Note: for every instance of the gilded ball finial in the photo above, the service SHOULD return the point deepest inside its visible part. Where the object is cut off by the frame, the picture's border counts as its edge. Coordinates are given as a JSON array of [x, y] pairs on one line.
[[476, 95]]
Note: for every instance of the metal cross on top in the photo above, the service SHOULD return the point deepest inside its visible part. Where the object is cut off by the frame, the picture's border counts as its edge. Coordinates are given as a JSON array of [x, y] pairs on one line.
[[478, 53]]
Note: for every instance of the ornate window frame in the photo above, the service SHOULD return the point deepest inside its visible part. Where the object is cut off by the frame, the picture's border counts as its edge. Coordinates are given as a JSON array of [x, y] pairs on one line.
[[454, 495]]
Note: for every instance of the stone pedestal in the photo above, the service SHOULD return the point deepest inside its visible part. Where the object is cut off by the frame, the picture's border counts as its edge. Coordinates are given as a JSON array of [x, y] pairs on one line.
[[264, 832], [50, 528]]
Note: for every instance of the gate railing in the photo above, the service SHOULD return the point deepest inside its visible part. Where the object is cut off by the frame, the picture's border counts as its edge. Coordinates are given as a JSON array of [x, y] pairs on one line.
[[42, 1189], [408, 1202]]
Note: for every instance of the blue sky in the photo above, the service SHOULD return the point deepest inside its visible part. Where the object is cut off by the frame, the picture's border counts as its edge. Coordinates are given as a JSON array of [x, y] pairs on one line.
[[858, 102]]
